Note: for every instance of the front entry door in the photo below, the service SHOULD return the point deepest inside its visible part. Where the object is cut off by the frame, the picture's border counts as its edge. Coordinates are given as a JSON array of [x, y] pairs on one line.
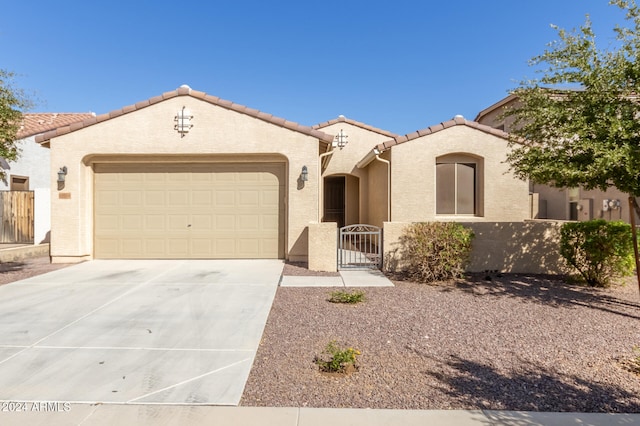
[[334, 200]]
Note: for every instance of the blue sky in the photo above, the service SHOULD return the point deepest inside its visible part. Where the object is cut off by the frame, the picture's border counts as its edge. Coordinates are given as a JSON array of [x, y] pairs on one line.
[[398, 65]]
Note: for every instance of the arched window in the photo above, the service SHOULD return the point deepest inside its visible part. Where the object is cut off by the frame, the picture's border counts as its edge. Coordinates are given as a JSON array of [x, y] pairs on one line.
[[458, 185]]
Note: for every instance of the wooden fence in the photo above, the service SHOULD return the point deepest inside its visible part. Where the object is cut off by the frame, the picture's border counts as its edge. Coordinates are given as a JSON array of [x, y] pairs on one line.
[[17, 217]]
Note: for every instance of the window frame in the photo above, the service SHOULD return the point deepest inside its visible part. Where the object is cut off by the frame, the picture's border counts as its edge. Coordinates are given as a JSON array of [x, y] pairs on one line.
[[466, 160]]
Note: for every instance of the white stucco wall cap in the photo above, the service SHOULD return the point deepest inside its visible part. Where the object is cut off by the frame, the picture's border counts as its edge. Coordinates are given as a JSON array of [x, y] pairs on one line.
[[187, 91]]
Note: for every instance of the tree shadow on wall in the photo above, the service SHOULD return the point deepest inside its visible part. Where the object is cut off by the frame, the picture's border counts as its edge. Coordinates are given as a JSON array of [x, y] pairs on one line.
[[531, 247]]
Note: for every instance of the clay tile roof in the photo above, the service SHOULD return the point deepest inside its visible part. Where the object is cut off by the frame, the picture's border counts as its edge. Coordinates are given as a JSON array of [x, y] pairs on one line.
[[456, 121], [500, 104], [57, 130], [343, 119], [40, 122]]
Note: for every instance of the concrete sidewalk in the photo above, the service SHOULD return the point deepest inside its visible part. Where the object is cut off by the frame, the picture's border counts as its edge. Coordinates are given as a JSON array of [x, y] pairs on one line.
[[110, 414], [353, 278]]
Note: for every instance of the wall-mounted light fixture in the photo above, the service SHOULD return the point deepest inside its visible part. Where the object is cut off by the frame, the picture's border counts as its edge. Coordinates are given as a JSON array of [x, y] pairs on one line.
[[62, 174], [183, 121], [340, 140], [304, 175]]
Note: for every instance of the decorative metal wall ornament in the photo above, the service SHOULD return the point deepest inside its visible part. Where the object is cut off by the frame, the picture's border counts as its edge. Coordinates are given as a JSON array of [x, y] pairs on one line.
[[340, 140], [183, 121]]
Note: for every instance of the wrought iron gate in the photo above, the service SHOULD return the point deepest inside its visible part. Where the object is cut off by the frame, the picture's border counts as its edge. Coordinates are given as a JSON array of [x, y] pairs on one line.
[[359, 247]]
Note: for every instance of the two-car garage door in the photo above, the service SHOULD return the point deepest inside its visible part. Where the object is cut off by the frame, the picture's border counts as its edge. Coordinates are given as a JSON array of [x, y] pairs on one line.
[[189, 211]]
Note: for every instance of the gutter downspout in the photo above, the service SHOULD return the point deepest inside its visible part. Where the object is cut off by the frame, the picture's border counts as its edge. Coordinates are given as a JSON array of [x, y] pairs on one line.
[[321, 183], [372, 155], [388, 163]]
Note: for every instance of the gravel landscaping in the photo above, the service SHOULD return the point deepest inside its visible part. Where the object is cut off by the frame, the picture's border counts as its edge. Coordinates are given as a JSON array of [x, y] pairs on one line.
[[514, 343], [26, 268]]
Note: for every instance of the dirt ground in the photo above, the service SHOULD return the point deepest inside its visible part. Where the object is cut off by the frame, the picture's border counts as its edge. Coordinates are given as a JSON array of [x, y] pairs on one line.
[[19, 270]]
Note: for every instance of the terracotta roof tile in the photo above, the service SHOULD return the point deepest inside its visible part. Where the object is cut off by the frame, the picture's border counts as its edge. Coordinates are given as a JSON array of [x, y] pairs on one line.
[[413, 135], [169, 95], [343, 119], [500, 104], [57, 130], [41, 122], [456, 121]]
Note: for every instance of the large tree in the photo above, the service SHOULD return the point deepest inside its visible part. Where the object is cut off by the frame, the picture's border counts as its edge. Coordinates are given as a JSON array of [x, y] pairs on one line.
[[13, 102], [579, 123]]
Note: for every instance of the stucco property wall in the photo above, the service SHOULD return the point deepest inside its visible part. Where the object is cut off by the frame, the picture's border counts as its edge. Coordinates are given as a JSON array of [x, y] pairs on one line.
[[515, 247], [148, 135], [323, 243], [503, 196]]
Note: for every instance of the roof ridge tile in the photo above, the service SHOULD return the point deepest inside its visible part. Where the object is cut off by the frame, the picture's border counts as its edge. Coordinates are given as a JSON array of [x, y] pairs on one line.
[[187, 91], [343, 119], [456, 121]]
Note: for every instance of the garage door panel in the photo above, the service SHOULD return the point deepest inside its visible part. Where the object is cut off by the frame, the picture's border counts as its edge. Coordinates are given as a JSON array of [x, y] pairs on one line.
[[107, 223], [178, 199], [201, 223], [154, 198], [131, 178], [201, 198], [269, 222], [131, 246], [108, 199], [249, 245], [132, 198], [249, 198], [189, 211], [225, 222], [177, 222], [132, 223], [224, 247], [248, 223], [178, 247], [225, 199], [154, 248], [154, 223]]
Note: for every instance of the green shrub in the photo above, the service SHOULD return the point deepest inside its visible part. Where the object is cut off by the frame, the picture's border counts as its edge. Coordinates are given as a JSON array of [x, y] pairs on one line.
[[350, 297], [335, 359], [436, 251], [601, 251]]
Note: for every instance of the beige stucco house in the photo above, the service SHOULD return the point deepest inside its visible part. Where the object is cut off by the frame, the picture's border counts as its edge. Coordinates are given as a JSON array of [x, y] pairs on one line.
[[188, 175], [561, 203]]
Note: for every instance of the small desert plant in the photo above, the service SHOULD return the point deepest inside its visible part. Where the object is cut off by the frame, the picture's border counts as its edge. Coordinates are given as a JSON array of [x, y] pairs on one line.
[[335, 359], [436, 251], [601, 251], [633, 364], [350, 297]]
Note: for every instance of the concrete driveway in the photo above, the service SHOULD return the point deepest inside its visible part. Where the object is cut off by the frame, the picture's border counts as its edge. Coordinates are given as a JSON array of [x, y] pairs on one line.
[[150, 331]]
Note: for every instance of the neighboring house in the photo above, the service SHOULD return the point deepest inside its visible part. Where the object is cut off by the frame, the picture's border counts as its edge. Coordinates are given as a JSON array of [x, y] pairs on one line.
[[188, 175], [557, 203], [30, 172]]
